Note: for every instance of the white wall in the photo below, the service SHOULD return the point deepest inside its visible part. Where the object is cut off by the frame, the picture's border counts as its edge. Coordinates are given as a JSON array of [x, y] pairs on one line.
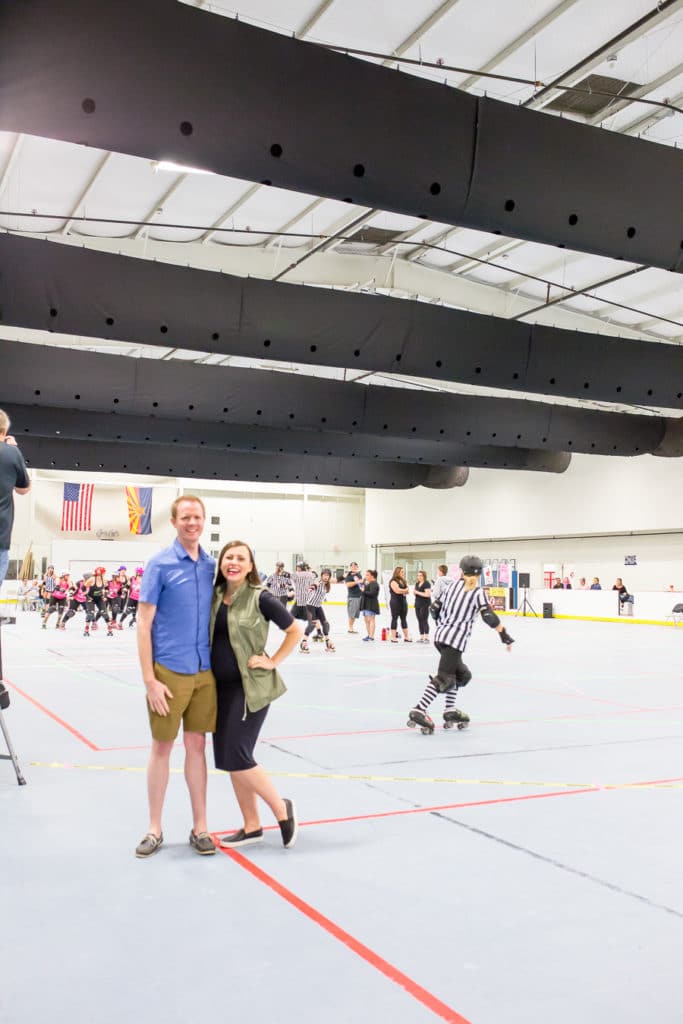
[[325, 524], [536, 518]]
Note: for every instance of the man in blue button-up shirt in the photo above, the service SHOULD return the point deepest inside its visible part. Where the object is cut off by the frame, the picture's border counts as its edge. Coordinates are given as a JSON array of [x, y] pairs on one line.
[[173, 646]]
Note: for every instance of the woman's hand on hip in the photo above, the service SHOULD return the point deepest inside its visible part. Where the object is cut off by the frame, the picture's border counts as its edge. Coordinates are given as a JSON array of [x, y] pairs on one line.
[[260, 661]]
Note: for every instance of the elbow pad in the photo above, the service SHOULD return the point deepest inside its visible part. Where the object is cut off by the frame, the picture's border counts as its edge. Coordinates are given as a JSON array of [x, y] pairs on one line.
[[490, 617]]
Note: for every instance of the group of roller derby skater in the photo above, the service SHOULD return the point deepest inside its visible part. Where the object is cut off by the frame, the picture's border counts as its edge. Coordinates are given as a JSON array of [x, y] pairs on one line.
[[458, 604], [308, 591], [110, 598]]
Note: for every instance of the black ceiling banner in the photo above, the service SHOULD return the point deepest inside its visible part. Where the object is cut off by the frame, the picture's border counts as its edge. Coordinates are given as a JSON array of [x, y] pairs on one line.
[[241, 101], [74, 290], [69, 378], [81, 425], [209, 464]]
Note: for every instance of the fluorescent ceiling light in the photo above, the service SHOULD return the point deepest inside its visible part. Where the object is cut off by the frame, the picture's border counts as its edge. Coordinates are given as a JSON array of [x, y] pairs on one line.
[[169, 165]]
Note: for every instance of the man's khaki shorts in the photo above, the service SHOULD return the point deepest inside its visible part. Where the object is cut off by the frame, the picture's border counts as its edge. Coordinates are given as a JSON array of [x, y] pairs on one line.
[[193, 703]]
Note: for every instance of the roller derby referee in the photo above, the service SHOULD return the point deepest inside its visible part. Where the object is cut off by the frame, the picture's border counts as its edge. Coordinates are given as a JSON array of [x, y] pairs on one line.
[[455, 616]]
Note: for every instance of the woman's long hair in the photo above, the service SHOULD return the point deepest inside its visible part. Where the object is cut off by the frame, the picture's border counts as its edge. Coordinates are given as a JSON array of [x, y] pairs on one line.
[[326, 572], [397, 575], [253, 578]]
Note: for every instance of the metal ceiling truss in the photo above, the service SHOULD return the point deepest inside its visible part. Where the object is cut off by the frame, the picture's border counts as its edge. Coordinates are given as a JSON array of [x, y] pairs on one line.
[[663, 10]]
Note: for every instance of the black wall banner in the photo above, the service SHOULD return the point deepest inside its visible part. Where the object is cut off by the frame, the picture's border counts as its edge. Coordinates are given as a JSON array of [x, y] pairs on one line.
[[242, 101], [66, 378], [74, 290]]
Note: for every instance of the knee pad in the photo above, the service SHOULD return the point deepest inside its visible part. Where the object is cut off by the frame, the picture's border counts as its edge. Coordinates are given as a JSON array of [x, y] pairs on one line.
[[463, 676], [444, 681]]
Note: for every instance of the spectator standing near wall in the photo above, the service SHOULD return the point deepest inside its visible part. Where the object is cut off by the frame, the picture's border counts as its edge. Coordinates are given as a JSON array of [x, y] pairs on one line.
[[353, 580], [13, 479]]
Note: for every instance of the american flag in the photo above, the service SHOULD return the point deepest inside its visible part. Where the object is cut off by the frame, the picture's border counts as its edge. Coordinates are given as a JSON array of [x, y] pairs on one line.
[[77, 506]]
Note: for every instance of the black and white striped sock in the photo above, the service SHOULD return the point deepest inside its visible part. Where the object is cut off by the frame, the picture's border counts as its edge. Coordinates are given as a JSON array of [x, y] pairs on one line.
[[427, 697]]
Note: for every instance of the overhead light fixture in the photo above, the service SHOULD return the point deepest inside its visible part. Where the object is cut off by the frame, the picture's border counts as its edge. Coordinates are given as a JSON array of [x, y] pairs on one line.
[[170, 165]]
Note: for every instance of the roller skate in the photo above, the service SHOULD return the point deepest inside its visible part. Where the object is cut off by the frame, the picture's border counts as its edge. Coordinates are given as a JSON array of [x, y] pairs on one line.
[[455, 717], [86, 631], [131, 623], [303, 646], [109, 629], [317, 638], [329, 646], [419, 718], [43, 625]]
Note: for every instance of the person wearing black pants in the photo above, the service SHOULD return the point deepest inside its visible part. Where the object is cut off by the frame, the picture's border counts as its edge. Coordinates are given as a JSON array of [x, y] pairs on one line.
[[423, 595], [247, 682], [398, 603]]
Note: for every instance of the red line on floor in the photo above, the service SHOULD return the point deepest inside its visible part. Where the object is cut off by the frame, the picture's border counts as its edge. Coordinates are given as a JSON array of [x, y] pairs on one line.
[[53, 716], [438, 807], [417, 992]]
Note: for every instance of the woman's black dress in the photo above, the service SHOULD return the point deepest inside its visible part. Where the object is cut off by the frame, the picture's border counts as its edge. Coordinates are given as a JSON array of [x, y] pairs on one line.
[[235, 736]]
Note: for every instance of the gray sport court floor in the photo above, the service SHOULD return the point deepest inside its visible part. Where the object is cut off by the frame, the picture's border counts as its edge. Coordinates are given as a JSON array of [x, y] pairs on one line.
[[528, 869]]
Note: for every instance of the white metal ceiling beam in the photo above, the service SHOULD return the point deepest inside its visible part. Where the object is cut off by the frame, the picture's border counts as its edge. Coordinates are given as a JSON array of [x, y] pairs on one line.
[[572, 76], [85, 193], [11, 160], [645, 121], [422, 29], [404, 236], [487, 252], [640, 93], [519, 42], [288, 225], [158, 207], [443, 236], [225, 217], [313, 19], [561, 263], [338, 228], [358, 222]]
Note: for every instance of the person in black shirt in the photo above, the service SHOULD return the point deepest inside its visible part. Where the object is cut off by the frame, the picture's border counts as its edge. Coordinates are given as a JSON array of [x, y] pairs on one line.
[[13, 478], [247, 681], [398, 604], [369, 603], [423, 595], [353, 579]]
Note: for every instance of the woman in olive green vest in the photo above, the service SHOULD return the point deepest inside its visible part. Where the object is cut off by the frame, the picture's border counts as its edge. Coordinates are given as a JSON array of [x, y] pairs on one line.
[[247, 681]]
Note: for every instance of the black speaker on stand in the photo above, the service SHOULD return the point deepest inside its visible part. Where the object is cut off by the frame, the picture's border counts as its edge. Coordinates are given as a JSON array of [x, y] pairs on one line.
[[524, 582]]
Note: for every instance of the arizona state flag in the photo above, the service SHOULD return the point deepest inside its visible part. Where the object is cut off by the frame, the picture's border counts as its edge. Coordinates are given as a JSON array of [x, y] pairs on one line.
[[139, 501]]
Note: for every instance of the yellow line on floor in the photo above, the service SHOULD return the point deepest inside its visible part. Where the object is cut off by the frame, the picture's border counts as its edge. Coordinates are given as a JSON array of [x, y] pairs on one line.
[[338, 776]]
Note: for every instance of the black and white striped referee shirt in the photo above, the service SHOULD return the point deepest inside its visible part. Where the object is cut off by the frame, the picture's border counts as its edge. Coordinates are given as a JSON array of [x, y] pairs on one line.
[[49, 584], [459, 609], [302, 586], [317, 596], [279, 584]]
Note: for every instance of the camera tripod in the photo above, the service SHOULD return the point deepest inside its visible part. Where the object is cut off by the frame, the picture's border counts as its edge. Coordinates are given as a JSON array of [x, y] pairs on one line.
[[526, 606], [4, 704]]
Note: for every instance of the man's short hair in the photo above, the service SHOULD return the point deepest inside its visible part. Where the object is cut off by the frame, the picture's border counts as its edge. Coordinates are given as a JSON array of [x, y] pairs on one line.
[[4, 422], [186, 497]]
